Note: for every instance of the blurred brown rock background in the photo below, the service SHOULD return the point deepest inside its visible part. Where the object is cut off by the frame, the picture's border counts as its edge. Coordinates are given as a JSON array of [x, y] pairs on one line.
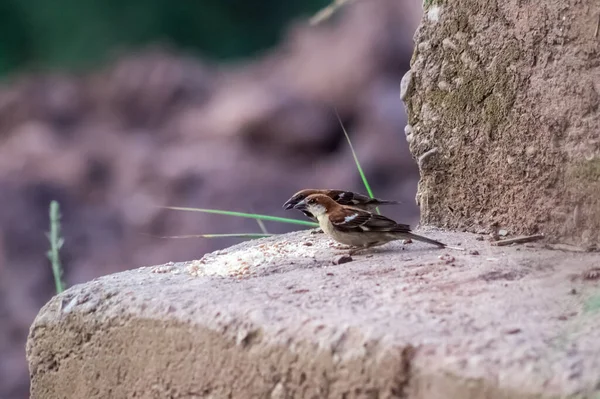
[[158, 126]]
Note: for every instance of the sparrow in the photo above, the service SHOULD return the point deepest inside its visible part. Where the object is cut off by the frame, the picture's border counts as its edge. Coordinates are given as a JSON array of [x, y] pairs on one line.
[[356, 227], [341, 197]]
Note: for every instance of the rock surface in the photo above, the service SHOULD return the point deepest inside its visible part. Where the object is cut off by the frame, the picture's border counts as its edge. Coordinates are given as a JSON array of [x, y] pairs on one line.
[[274, 318], [503, 101]]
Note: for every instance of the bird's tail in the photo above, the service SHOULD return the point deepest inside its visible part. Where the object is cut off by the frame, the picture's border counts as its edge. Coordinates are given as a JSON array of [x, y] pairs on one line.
[[387, 202], [425, 239], [377, 201]]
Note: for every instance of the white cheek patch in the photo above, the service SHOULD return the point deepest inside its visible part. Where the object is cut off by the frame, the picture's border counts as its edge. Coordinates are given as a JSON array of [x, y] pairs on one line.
[[350, 218], [317, 210]]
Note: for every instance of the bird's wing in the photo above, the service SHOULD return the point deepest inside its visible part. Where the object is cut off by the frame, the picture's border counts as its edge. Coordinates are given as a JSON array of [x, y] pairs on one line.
[[350, 198], [357, 220]]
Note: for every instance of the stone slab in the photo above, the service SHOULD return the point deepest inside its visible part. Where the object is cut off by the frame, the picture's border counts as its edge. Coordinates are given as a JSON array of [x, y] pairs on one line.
[[275, 318]]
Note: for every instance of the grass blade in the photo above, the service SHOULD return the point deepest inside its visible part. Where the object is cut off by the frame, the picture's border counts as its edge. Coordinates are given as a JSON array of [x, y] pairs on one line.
[[262, 226], [56, 241], [245, 215], [360, 170], [327, 12]]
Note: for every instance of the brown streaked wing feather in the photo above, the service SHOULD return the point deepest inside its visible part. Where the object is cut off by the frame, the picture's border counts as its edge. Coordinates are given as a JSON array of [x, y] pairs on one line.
[[382, 223], [349, 198], [356, 220], [402, 228], [349, 219], [361, 201]]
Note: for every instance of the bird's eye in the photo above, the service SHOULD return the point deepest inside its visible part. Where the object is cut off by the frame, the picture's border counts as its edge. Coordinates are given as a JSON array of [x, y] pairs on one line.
[[311, 201]]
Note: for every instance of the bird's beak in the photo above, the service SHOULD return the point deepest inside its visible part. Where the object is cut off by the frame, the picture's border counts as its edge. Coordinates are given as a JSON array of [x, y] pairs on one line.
[[289, 204], [301, 206]]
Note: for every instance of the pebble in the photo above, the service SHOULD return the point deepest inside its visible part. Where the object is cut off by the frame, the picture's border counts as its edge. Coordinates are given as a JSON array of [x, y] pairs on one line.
[[515, 330], [342, 259]]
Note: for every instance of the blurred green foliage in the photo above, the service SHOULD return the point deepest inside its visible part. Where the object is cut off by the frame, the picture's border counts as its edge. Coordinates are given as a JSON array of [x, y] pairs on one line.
[[72, 34]]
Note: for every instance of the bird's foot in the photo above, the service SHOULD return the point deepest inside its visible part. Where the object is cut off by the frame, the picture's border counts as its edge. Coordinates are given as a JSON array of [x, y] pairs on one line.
[[316, 231], [341, 247], [354, 250]]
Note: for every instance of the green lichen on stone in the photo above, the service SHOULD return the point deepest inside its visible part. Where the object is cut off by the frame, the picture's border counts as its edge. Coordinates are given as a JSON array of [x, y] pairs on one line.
[[484, 93], [592, 304], [429, 3], [480, 85]]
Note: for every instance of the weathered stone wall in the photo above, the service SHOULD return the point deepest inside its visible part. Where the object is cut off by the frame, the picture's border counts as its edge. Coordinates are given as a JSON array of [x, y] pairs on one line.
[[503, 104]]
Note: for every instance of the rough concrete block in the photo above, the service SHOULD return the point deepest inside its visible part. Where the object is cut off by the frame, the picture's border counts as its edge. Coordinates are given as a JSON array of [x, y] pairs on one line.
[[503, 100], [274, 318]]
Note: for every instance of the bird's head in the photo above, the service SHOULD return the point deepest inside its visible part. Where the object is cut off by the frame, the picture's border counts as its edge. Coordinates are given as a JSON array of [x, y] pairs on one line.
[[317, 204], [299, 197]]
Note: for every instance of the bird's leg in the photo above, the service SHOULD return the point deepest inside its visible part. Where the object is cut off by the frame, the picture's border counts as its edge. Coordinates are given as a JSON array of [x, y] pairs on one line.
[[354, 251], [342, 247], [363, 248]]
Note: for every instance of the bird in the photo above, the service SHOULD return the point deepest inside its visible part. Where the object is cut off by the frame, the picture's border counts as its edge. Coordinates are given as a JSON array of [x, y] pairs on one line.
[[356, 227], [342, 197]]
